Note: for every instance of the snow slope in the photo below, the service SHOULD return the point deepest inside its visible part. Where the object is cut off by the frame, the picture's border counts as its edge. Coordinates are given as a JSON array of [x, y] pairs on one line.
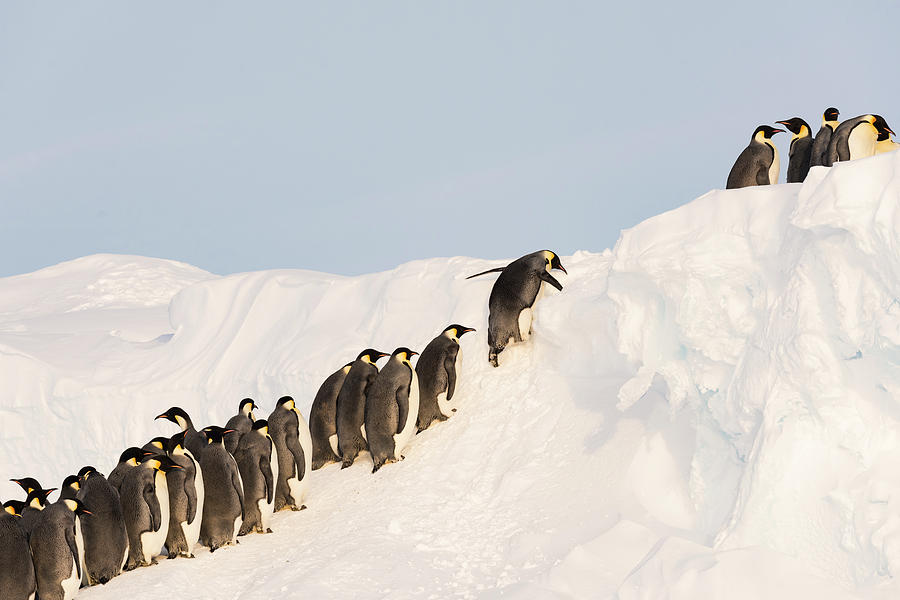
[[707, 410]]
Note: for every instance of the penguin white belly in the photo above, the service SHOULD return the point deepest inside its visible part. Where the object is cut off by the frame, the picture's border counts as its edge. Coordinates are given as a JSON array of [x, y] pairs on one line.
[[332, 441], [775, 167], [239, 520], [79, 543], [525, 318], [886, 146], [362, 431], [192, 530], [444, 405], [862, 141], [152, 542], [409, 428], [267, 509], [72, 583]]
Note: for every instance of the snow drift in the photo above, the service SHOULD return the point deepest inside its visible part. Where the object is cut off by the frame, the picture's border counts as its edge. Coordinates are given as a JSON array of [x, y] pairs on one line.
[[709, 409]]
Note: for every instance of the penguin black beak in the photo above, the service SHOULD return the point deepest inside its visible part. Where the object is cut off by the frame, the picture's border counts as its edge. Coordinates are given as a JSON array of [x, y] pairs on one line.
[[467, 329], [228, 431], [563, 269], [774, 131], [85, 511], [412, 353], [162, 416]]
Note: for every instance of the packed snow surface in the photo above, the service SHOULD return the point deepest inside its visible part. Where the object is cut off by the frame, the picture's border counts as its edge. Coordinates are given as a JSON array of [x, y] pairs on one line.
[[708, 410]]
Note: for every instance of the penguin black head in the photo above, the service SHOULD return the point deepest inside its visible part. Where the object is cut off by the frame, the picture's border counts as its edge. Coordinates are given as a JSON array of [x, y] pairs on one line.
[[882, 127], [38, 498], [86, 472], [158, 444], [161, 462], [261, 425], [246, 406], [178, 416], [215, 434], [766, 132], [28, 484], [553, 261], [286, 402], [370, 355], [796, 126], [14, 507], [830, 114], [72, 481], [133, 455], [175, 442], [77, 506], [403, 354], [456, 330]]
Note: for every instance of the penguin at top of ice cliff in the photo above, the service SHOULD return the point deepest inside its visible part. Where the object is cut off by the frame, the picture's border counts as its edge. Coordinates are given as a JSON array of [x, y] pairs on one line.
[[437, 369], [392, 407], [105, 537], [57, 548], [241, 423], [856, 138], [800, 149], [513, 297], [758, 163], [293, 446], [223, 507], [819, 151], [322, 419], [194, 440], [17, 573], [350, 406]]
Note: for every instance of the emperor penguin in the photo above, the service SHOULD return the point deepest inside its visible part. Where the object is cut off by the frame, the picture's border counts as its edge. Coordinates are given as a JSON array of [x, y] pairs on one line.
[[223, 507], [57, 548], [322, 427], [758, 163], [129, 459], [35, 504], [194, 440], [293, 446], [801, 147], [437, 370], [186, 497], [28, 484], [105, 537], [17, 571], [14, 507], [856, 138], [69, 488], [818, 154], [350, 406], [145, 503], [257, 461], [392, 407], [885, 143], [241, 423], [513, 296], [157, 445]]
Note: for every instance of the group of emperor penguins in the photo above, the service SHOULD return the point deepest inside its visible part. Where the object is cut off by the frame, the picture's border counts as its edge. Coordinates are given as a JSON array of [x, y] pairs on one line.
[[860, 137], [212, 485]]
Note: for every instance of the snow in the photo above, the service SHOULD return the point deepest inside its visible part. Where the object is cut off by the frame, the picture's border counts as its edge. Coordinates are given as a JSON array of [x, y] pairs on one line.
[[707, 410]]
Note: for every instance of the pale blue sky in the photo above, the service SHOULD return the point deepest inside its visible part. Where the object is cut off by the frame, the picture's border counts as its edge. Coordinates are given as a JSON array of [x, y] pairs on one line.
[[350, 137]]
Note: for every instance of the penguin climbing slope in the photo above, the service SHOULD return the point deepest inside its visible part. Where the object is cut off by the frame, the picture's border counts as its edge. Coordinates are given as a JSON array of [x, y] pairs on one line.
[[241, 423], [57, 548], [437, 370], [186, 497], [758, 163], [105, 536], [392, 407], [145, 503], [801, 148], [293, 446], [818, 154], [513, 297], [350, 406], [322, 415], [223, 507], [257, 461]]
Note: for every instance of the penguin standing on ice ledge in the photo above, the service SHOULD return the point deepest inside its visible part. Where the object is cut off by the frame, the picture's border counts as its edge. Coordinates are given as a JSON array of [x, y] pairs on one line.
[[513, 297], [758, 164], [801, 146]]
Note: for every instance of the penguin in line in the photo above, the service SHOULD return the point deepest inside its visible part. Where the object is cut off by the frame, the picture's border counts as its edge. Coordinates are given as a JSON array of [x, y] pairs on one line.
[[392, 407], [350, 406], [257, 461], [437, 370], [194, 440], [69, 488], [17, 572], [35, 504], [241, 423], [819, 152], [129, 459], [145, 503], [57, 548], [800, 149], [322, 427], [758, 163], [186, 497], [513, 296], [223, 507], [105, 537], [293, 446], [856, 138]]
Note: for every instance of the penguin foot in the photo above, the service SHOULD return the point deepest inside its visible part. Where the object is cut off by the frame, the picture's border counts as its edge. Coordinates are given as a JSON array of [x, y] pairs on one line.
[[295, 508], [402, 457], [302, 507], [269, 530], [171, 556], [451, 410]]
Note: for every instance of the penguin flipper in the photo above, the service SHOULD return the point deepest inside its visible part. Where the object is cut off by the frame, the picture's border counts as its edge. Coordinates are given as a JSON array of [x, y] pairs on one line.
[[73, 547], [153, 504], [497, 270], [266, 468], [293, 444], [762, 174], [450, 368], [545, 276], [236, 483], [190, 490], [402, 397]]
